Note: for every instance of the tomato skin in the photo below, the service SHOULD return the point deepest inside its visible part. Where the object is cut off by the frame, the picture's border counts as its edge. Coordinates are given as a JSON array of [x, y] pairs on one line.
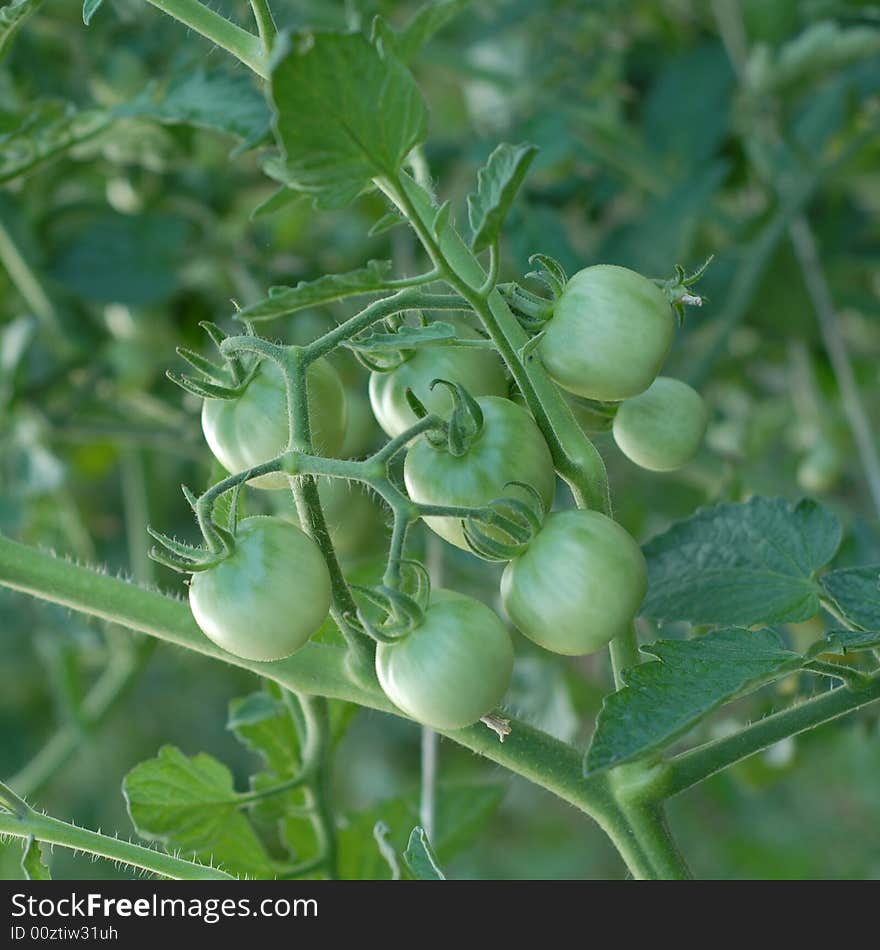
[[268, 597], [453, 668], [578, 585], [480, 371], [609, 335], [253, 428], [662, 428], [509, 448]]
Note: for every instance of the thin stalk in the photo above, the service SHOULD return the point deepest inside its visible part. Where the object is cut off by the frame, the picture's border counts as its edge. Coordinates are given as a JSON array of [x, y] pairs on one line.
[[25, 281], [57, 832], [804, 244], [691, 768], [220, 31], [265, 24]]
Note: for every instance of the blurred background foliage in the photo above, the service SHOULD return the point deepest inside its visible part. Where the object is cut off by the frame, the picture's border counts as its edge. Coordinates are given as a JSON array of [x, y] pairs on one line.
[[133, 206]]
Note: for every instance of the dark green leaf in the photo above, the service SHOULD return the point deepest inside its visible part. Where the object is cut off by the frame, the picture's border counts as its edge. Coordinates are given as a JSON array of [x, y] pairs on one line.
[[497, 184], [264, 723], [425, 22], [283, 300], [405, 338], [190, 804], [128, 259], [856, 592], [662, 700], [32, 863], [388, 221], [420, 858], [344, 114], [741, 564], [218, 100]]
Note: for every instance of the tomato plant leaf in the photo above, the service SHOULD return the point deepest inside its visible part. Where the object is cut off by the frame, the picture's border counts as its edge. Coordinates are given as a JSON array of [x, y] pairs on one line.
[[264, 724], [12, 17], [190, 805], [90, 8], [662, 700], [856, 592], [345, 113], [312, 293], [462, 810], [404, 338], [420, 858], [217, 100], [32, 863], [497, 184], [122, 258], [424, 23], [741, 564]]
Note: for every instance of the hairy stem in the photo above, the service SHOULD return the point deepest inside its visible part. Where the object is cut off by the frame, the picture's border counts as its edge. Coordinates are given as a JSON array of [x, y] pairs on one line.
[[242, 44], [56, 832], [691, 768]]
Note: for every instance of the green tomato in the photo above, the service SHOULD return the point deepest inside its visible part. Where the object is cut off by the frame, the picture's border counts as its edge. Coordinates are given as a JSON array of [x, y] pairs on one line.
[[480, 371], [267, 598], [253, 428], [610, 333], [510, 447], [578, 584], [453, 668], [661, 429]]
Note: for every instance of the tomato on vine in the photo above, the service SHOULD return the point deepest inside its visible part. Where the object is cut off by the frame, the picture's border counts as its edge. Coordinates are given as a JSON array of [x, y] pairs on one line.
[[253, 427], [578, 584], [266, 598], [508, 447], [609, 334], [661, 429], [480, 371], [453, 668]]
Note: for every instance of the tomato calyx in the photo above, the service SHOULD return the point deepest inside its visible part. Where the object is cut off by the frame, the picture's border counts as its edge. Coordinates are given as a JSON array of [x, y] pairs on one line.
[[228, 381], [513, 525], [532, 310], [678, 288], [188, 558], [401, 608]]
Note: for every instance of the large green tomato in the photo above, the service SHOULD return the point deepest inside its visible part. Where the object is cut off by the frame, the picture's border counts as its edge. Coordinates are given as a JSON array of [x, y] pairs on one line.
[[253, 428], [480, 371], [661, 429], [578, 585], [510, 447], [268, 597], [610, 332], [452, 669]]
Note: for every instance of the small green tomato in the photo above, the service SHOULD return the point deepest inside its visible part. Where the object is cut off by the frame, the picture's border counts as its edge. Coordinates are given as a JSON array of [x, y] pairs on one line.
[[662, 428], [509, 448], [254, 427], [578, 585], [610, 333], [453, 668], [267, 598]]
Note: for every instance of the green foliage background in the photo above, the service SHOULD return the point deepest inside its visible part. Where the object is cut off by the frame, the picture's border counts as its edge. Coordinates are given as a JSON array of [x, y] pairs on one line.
[[651, 154]]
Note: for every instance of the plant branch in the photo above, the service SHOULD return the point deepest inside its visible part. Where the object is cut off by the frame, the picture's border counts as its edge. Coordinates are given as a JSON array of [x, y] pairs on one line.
[[693, 767], [220, 31], [57, 832]]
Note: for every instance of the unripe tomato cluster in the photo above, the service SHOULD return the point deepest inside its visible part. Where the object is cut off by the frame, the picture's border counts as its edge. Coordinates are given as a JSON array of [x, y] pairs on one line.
[[573, 585]]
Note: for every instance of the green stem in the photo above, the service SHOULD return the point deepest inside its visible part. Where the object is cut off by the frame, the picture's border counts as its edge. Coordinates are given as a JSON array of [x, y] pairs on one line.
[[242, 44], [695, 766], [804, 244], [641, 835], [26, 281], [107, 692], [57, 832], [265, 24]]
